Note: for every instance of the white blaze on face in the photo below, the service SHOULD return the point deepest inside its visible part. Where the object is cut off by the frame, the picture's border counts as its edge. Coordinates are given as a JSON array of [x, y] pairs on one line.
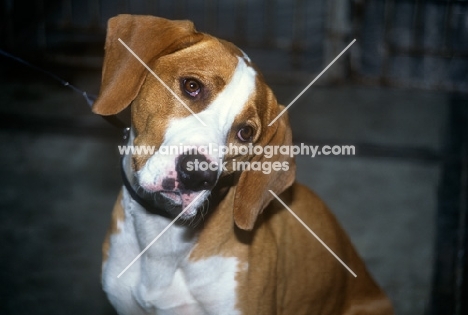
[[218, 117]]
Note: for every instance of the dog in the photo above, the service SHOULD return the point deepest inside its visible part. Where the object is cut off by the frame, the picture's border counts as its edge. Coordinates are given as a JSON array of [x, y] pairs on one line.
[[235, 249]]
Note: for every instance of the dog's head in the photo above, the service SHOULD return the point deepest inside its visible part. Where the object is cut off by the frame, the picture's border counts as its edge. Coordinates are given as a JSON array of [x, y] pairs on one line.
[[218, 83]]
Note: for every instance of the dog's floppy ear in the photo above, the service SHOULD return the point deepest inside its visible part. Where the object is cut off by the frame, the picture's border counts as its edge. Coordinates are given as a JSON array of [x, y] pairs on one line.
[[252, 192], [149, 37]]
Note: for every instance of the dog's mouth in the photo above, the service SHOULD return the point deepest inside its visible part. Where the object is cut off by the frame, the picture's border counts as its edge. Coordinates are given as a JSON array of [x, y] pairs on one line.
[[176, 201], [174, 187], [173, 197]]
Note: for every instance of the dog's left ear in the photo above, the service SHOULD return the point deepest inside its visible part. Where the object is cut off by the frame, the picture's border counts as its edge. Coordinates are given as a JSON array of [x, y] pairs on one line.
[[150, 38], [252, 192]]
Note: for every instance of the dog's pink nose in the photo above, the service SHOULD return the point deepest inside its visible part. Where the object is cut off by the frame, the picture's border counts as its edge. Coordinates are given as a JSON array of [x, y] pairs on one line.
[[195, 172]]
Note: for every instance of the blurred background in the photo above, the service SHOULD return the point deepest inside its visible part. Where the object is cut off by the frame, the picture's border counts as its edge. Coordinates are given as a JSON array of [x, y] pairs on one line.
[[399, 95]]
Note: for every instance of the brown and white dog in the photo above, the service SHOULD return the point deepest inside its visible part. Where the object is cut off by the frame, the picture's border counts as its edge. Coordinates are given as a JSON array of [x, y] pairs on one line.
[[247, 254]]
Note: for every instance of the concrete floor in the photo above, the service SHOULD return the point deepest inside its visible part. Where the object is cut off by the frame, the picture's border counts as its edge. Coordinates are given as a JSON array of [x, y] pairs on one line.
[[59, 185]]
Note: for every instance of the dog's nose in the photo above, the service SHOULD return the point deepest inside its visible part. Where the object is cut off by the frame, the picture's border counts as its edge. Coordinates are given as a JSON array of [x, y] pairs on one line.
[[195, 172]]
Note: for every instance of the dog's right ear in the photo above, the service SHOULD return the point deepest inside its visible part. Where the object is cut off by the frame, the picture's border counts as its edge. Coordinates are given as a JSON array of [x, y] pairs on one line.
[[149, 37]]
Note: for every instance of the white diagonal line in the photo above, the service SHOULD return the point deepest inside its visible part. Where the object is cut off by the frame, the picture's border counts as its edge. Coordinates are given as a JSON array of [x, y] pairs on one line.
[[159, 235], [308, 86], [312, 232], [162, 82]]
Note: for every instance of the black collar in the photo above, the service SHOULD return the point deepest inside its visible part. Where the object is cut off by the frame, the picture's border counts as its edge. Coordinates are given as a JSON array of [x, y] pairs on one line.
[[151, 208], [143, 202]]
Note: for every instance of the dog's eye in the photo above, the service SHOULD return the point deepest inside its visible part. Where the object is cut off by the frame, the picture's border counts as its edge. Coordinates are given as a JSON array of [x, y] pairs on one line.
[[192, 87], [245, 133]]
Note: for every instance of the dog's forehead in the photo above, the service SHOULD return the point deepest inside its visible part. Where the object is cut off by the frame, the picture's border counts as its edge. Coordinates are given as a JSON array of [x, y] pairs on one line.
[[209, 57]]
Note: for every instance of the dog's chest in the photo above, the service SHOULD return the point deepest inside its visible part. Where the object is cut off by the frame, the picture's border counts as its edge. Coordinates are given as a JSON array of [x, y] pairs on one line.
[[204, 287], [164, 280]]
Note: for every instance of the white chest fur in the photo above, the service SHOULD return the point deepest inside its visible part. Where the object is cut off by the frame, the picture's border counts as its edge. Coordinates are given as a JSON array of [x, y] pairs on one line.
[[163, 280]]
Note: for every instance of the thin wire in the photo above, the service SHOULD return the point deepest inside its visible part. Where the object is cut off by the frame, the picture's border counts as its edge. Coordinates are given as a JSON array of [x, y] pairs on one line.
[[90, 98]]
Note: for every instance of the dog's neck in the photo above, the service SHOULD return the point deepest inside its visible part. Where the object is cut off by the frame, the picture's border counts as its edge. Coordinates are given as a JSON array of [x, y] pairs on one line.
[[179, 242]]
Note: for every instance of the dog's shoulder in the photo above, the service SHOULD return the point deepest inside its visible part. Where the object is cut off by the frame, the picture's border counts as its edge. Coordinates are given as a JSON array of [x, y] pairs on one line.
[[300, 249]]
